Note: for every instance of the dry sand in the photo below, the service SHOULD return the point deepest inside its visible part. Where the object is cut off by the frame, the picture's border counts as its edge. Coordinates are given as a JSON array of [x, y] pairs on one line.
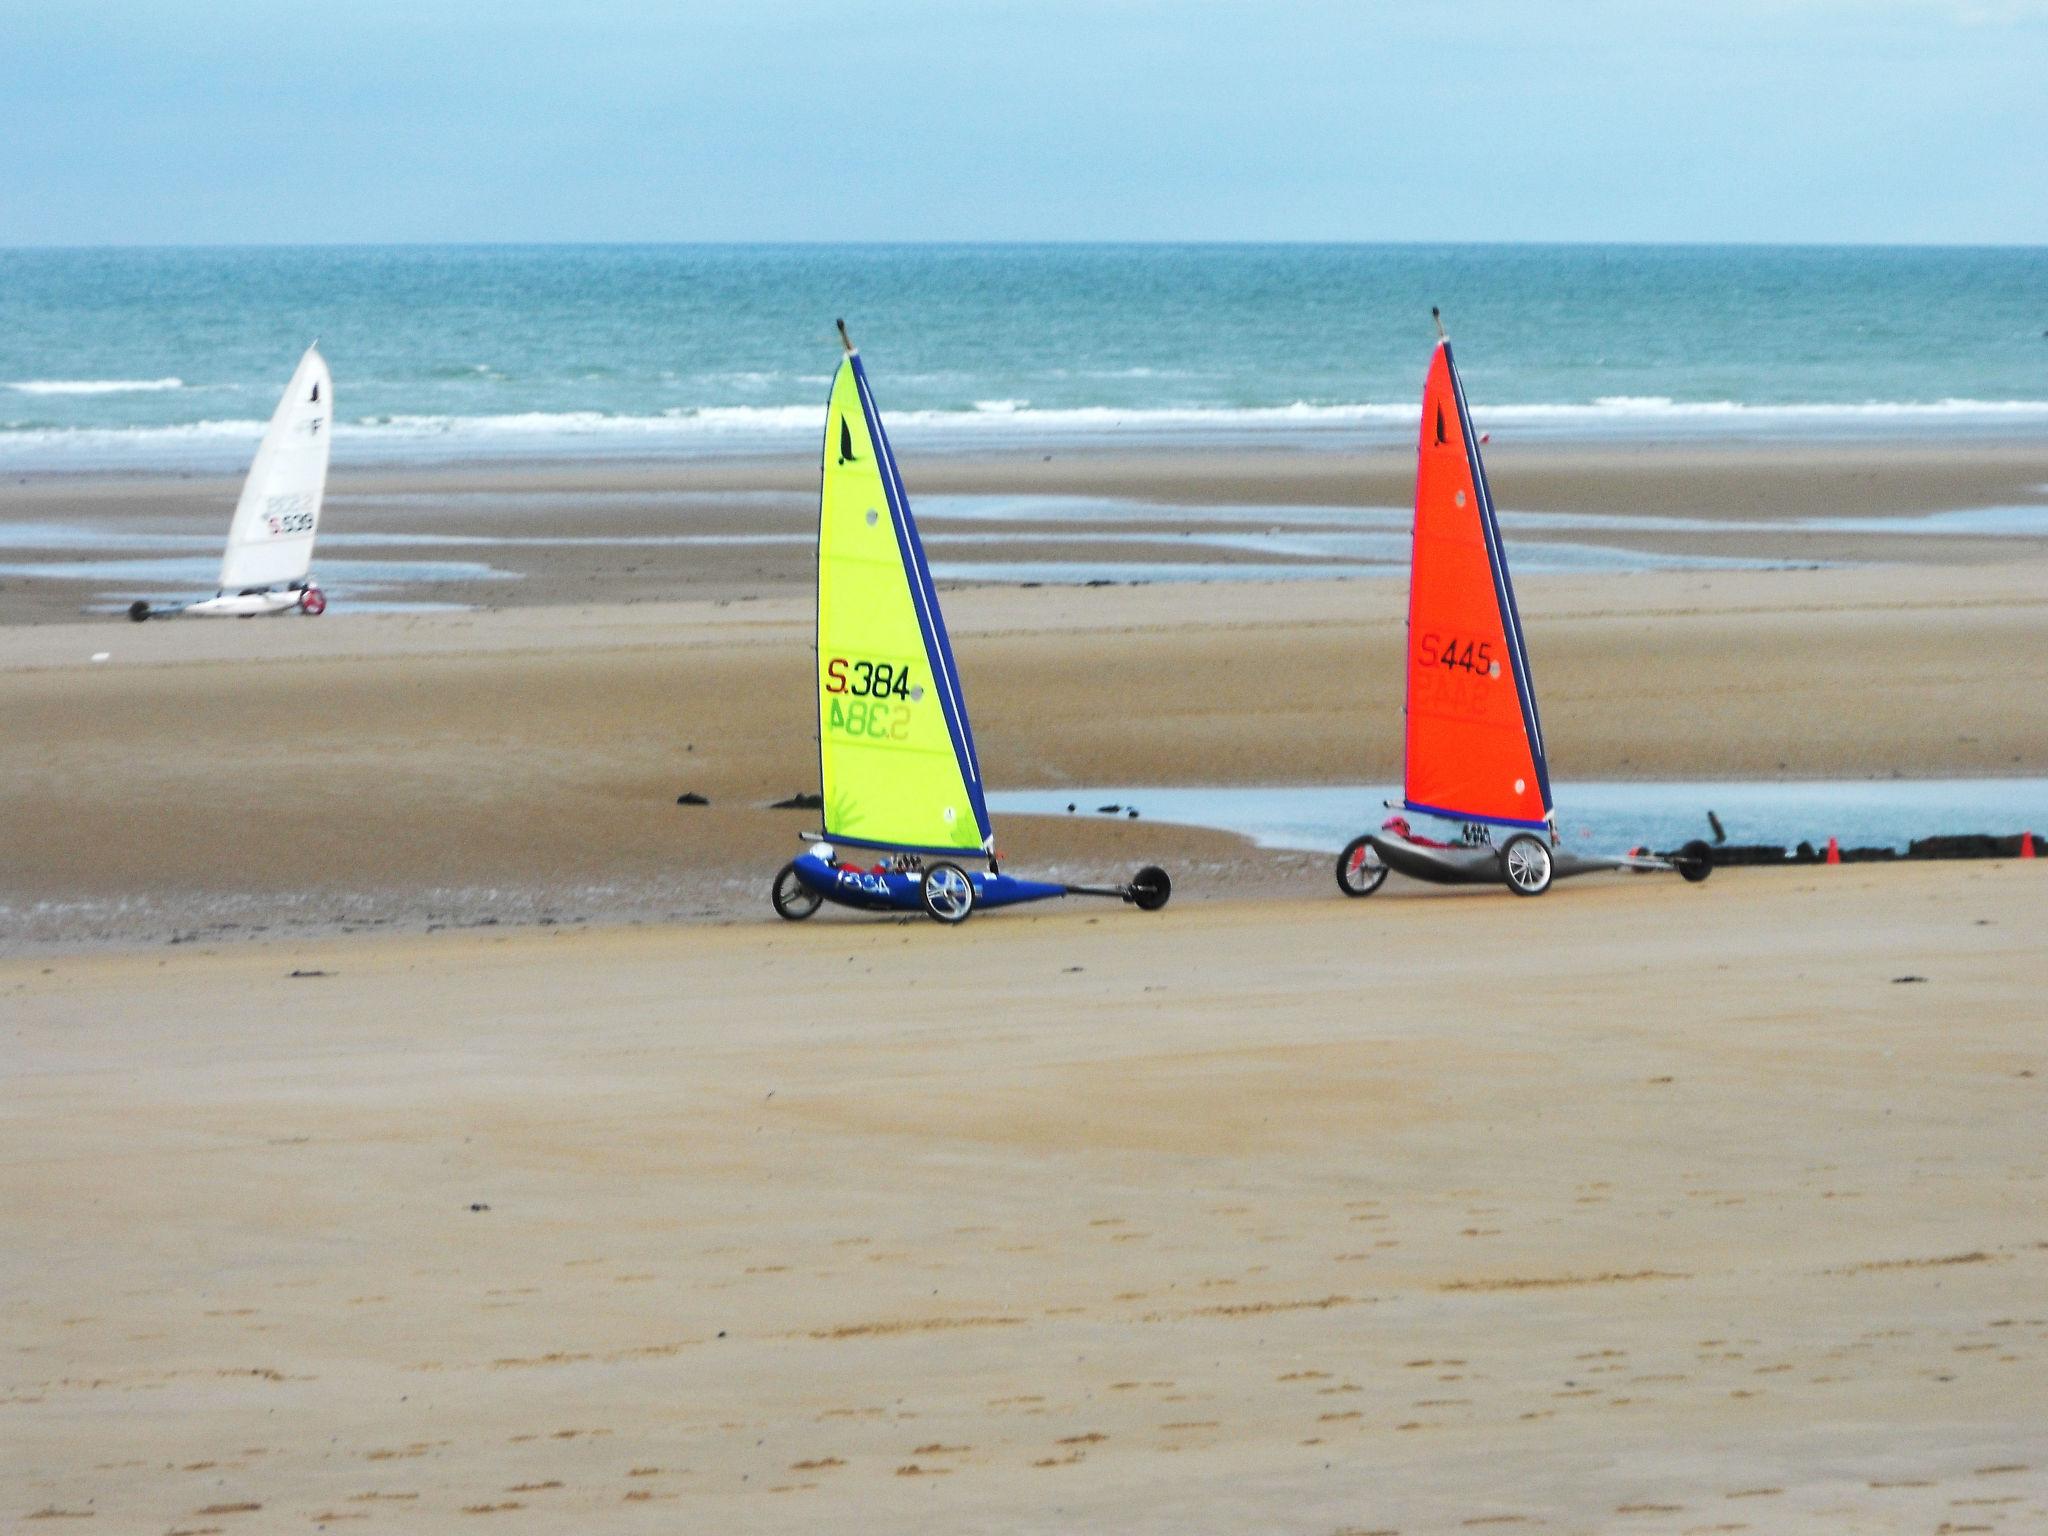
[[1294, 1216]]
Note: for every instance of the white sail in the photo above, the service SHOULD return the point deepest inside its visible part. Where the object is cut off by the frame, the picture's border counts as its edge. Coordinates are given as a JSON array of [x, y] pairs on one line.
[[270, 541]]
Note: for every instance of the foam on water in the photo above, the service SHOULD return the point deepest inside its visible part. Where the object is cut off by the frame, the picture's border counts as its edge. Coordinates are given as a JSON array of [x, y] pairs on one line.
[[92, 386], [135, 357]]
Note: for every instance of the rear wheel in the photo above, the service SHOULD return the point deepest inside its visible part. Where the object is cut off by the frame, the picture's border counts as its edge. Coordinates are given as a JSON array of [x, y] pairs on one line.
[[793, 899], [947, 893], [1360, 869], [1525, 865], [138, 611], [1149, 888], [1695, 861]]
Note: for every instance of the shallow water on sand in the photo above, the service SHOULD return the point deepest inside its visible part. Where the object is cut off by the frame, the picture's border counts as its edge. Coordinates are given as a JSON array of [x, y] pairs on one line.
[[1606, 817]]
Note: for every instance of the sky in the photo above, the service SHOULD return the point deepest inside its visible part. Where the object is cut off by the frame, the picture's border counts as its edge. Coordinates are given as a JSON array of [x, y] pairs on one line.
[[172, 122]]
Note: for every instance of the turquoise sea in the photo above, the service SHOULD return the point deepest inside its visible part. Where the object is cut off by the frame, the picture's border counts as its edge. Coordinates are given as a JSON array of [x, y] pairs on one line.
[[174, 357]]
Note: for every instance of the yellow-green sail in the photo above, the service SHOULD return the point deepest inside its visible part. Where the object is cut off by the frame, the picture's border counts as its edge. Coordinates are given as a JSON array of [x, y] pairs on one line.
[[894, 746]]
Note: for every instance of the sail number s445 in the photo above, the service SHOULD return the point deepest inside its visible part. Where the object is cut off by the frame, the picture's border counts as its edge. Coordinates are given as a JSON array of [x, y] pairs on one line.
[[1454, 656]]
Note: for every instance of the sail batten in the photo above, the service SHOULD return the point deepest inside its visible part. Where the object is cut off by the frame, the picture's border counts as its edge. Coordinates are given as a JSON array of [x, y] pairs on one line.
[[1474, 744], [896, 751]]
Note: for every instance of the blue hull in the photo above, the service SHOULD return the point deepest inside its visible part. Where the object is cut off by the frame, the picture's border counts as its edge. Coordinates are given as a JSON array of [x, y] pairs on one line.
[[893, 892]]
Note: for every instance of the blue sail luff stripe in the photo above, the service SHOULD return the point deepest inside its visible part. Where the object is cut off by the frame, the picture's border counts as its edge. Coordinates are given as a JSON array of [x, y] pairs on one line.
[[931, 621], [1503, 588]]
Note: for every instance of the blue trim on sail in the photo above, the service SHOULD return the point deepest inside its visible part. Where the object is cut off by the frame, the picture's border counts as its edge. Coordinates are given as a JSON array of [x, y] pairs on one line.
[[1491, 821], [1504, 594], [837, 840], [938, 646]]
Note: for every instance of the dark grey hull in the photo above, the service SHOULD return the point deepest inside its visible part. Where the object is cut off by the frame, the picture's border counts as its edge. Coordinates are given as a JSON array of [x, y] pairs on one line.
[[1481, 866]]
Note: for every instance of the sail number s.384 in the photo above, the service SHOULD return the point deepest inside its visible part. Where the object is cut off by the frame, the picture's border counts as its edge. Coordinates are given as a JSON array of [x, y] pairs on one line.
[[866, 679], [862, 698]]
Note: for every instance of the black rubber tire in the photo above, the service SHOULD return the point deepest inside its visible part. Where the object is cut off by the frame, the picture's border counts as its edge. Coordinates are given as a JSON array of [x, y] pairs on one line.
[[1360, 870], [138, 611], [1695, 862], [948, 906], [1528, 856], [794, 901], [1150, 889]]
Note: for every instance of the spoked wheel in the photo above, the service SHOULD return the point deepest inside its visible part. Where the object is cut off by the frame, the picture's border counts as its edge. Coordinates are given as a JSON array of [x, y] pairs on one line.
[[947, 893], [1360, 869], [1694, 862], [793, 899], [312, 602], [1149, 889], [1525, 865], [138, 611]]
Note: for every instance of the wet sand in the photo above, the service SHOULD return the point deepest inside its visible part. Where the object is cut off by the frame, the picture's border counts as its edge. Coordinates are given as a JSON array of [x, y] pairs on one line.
[[524, 765], [1302, 1216], [767, 508]]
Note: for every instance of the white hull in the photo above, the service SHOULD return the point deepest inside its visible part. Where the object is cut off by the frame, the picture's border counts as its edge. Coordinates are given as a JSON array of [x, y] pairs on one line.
[[308, 600]]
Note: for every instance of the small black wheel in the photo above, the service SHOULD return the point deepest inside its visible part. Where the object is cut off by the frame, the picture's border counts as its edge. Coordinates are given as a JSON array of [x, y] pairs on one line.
[[1360, 869], [1695, 861], [1149, 889], [793, 899], [1525, 864], [138, 611], [947, 893]]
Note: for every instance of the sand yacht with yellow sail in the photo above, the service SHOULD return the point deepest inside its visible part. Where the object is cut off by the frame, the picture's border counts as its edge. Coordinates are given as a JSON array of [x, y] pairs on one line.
[[901, 780]]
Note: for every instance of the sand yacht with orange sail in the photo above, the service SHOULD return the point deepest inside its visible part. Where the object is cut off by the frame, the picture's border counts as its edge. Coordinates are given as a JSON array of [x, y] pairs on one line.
[[1474, 749]]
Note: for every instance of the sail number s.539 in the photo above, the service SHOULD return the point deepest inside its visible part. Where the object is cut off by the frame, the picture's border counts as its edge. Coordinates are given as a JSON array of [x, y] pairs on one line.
[[289, 513]]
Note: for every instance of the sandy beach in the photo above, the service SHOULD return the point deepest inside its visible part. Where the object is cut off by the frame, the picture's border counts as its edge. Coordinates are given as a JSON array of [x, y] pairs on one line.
[[418, 1118], [604, 531], [1294, 1215], [521, 760]]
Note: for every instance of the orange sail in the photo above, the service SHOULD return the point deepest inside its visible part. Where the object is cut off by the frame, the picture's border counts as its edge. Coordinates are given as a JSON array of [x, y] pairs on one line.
[[1474, 747]]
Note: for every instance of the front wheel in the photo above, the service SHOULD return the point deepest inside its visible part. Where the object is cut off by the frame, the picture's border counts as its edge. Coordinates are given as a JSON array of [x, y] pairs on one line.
[[1525, 865], [1695, 862], [312, 602], [1149, 889], [947, 893], [793, 899], [1360, 869]]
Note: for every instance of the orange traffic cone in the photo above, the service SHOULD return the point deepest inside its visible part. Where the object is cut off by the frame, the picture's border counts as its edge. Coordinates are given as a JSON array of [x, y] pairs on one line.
[[2026, 845], [1834, 852]]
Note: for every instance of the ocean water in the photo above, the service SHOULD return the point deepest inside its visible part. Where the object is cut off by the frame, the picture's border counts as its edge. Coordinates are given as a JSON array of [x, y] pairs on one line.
[[175, 357], [1592, 816]]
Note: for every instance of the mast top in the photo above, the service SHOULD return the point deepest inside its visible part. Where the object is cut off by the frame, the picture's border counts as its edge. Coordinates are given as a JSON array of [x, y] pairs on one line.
[[845, 340]]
